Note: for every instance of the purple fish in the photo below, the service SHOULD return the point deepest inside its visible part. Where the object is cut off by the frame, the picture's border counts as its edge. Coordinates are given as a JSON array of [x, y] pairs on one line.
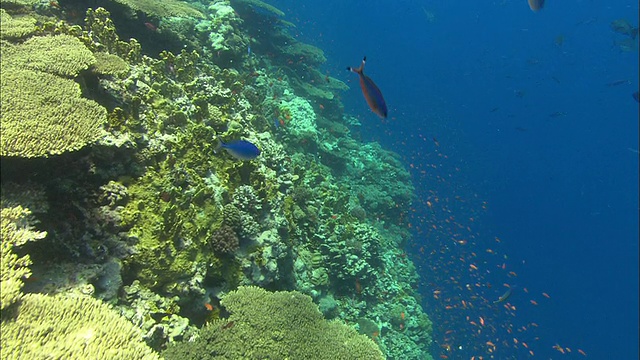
[[240, 149], [370, 91]]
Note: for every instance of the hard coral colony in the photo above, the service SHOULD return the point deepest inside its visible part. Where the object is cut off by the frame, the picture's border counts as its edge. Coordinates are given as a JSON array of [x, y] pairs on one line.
[[132, 215]]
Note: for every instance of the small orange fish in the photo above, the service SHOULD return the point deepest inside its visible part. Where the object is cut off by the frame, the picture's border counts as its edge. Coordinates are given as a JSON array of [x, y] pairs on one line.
[[402, 316], [208, 306]]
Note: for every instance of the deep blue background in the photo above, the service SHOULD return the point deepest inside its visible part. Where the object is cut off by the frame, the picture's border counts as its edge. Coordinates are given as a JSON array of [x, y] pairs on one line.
[[483, 78]]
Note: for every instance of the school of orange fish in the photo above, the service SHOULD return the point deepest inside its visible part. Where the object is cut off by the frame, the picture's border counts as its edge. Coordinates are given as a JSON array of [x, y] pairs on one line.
[[469, 280]]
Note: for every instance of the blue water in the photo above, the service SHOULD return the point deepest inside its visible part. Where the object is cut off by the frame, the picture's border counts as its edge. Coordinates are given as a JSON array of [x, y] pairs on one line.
[[512, 130]]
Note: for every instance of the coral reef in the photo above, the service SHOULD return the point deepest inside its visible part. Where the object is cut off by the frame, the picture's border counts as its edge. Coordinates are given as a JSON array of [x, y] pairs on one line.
[[224, 240], [163, 8], [16, 28], [58, 119], [16, 232], [156, 221], [62, 55], [71, 328], [274, 325]]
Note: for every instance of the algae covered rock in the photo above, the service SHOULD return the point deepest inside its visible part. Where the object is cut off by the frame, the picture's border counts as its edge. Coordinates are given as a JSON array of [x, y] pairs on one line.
[[280, 325]]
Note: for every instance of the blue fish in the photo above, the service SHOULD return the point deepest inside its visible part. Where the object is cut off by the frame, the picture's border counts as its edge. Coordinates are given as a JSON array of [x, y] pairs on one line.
[[240, 149], [371, 93]]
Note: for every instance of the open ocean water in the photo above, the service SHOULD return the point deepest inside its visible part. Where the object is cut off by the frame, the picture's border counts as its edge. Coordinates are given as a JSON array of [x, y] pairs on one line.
[[537, 138]]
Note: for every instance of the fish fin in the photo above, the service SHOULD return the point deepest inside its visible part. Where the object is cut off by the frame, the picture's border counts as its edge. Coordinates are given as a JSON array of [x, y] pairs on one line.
[[219, 145], [358, 70]]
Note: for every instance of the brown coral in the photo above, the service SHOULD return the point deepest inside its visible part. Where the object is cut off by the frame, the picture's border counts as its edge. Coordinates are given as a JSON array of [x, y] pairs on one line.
[[225, 240]]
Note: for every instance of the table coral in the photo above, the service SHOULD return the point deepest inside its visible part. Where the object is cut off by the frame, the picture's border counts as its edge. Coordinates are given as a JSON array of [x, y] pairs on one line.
[[276, 325], [62, 55], [70, 328], [16, 28], [162, 8], [58, 119]]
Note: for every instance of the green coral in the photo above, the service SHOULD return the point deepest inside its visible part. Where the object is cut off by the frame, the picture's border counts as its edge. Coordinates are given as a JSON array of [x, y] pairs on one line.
[[57, 327], [299, 117], [15, 232], [305, 52], [280, 325], [62, 55], [110, 64], [261, 5], [164, 8], [43, 114], [16, 28], [100, 36]]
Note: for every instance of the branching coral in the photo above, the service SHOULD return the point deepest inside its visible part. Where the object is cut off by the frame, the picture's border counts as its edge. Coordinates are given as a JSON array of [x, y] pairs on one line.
[[279, 325]]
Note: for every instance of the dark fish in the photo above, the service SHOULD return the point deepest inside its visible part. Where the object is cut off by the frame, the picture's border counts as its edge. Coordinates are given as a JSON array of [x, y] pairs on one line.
[[370, 91], [635, 96], [618, 82], [622, 26], [557, 114], [536, 5], [504, 297], [240, 149]]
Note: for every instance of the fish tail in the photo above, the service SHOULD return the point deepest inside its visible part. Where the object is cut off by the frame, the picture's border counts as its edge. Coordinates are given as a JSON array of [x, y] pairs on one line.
[[219, 145], [360, 69]]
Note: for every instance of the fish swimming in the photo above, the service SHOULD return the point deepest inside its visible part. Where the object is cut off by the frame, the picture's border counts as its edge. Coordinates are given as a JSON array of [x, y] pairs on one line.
[[622, 26], [536, 5], [504, 297], [240, 149], [370, 91]]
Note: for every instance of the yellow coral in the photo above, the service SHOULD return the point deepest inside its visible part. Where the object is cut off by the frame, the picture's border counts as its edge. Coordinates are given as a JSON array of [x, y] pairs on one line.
[[62, 55], [43, 114], [16, 28], [162, 8], [110, 64], [62, 327], [15, 232]]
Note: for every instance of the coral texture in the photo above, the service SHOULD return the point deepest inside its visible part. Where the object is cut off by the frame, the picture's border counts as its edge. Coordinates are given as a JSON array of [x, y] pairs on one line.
[[280, 325], [57, 327], [58, 119], [224, 240]]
